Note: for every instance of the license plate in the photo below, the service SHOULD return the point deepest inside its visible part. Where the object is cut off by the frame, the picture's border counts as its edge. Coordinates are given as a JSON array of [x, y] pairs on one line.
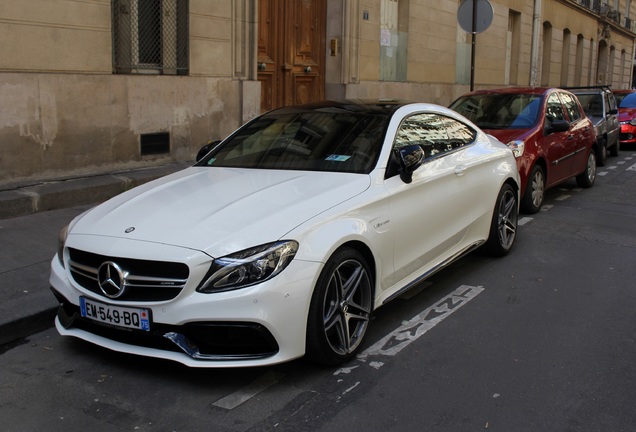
[[133, 318]]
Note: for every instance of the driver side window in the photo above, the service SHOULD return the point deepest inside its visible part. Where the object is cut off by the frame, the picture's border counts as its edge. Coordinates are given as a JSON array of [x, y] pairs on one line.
[[435, 133], [554, 109]]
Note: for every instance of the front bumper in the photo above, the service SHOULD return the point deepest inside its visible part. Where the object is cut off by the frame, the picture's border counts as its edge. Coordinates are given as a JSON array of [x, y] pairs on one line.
[[627, 134], [259, 325]]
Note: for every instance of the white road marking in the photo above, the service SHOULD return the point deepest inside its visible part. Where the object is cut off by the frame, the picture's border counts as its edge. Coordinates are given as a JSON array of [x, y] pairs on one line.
[[620, 162], [562, 197], [411, 330], [546, 207], [602, 173], [613, 167], [524, 220], [246, 393], [345, 370], [631, 168], [347, 391]]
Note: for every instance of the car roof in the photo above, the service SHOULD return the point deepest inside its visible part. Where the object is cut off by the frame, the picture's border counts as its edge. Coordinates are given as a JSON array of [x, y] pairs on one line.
[[590, 89], [515, 90], [376, 106], [624, 91]]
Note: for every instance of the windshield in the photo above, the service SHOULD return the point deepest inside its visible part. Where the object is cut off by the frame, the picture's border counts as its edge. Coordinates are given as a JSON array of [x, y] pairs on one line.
[[500, 111], [626, 100], [592, 104], [320, 140]]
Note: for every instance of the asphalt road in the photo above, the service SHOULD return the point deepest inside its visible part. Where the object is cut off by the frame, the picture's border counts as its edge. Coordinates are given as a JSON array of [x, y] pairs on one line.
[[541, 340]]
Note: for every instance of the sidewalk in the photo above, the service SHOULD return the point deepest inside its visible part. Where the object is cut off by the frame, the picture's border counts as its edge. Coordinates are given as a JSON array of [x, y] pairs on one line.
[[30, 220]]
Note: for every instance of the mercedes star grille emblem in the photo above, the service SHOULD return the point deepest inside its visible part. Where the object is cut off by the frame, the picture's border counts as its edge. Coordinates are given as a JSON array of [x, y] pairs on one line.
[[111, 279]]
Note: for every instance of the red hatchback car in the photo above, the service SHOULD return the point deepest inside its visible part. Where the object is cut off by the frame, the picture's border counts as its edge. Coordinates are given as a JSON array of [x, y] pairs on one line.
[[547, 129], [626, 100]]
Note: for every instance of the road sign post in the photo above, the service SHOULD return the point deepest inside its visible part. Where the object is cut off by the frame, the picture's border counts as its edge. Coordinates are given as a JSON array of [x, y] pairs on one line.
[[474, 16]]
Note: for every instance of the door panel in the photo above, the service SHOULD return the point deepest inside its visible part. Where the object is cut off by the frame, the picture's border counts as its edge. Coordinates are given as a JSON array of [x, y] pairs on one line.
[[268, 51], [557, 146], [448, 194], [291, 51]]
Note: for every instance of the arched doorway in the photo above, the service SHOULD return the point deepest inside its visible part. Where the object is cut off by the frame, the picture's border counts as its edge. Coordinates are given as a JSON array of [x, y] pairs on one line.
[[291, 51]]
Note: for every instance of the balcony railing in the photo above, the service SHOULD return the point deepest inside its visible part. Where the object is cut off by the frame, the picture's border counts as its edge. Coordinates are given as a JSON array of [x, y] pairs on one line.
[[602, 8]]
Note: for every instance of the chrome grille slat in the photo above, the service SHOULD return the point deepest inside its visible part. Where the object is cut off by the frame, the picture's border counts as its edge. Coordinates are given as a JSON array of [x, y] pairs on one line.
[[141, 284], [89, 272]]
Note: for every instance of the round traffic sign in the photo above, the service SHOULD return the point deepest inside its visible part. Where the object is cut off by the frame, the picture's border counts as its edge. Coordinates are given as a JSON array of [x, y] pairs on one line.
[[483, 15]]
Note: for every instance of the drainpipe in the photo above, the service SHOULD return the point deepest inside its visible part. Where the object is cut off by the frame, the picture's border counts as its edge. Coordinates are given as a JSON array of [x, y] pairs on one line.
[[534, 47]]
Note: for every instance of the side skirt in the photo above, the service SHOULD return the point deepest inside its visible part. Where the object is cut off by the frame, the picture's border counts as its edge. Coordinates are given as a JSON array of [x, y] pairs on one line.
[[434, 270]]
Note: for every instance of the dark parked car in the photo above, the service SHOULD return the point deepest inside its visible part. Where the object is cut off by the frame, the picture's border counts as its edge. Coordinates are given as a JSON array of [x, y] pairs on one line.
[[600, 106], [627, 115], [548, 130]]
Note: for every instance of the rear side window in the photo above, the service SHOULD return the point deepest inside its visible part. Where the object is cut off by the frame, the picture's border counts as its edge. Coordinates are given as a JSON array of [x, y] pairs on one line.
[[571, 106]]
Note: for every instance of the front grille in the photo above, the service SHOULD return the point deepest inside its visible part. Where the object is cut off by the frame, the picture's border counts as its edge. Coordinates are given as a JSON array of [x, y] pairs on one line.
[[145, 281], [221, 340]]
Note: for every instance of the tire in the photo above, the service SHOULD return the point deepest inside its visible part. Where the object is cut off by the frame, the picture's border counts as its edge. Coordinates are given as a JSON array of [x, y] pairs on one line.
[[616, 148], [503, 227], [340, 309], [601, 158], [535, 191], [588, 176]]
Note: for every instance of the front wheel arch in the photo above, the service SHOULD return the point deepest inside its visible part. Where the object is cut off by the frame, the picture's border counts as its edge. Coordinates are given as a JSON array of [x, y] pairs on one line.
[[503, 226], [588, 176], [534, 194], [340, 308]]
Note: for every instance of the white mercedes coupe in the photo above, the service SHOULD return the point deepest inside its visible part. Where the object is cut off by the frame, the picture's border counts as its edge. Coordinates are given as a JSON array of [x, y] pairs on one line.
[[284, 238]]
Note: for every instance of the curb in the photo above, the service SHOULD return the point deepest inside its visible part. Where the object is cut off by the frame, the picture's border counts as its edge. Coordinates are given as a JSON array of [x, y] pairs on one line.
[[24, 201], [29, 311]]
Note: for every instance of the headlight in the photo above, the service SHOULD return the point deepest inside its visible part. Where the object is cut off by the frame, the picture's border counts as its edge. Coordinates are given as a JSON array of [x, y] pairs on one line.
[[248, 267], [61, 241], [517, 147], [633, 122]]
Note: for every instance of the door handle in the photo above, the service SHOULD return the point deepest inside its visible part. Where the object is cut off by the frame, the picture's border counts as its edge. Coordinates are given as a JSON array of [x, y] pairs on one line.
[[460, 170]]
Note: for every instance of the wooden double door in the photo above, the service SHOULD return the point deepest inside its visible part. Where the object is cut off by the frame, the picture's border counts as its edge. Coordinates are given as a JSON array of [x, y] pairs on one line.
[[291, 51]]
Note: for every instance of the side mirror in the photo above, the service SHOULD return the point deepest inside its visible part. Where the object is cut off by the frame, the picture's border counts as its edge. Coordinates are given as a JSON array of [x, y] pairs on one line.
[[206, 149], [410, 159], [558, 126]]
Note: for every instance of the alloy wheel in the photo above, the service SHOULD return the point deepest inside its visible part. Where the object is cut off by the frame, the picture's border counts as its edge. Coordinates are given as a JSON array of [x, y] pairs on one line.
[[347, 307], [538, 188], [507, 219]]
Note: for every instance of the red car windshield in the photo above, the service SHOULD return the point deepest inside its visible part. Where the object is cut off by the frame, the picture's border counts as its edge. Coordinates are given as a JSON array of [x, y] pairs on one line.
[[500, 111]]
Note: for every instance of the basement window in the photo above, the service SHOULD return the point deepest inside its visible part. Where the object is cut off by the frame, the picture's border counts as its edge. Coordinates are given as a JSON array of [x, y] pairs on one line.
[[155, 143]]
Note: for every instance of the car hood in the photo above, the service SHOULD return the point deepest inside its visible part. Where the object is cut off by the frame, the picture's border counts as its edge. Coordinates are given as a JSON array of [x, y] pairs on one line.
[[626, 114], [596, 120], [220, 210], [507, 135]]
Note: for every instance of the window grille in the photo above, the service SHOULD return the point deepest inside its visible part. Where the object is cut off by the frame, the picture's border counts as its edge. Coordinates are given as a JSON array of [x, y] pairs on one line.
[[150, 36]]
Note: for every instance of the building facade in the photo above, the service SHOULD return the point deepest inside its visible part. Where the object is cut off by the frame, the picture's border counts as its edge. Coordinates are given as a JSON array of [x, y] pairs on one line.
[[93, 86]]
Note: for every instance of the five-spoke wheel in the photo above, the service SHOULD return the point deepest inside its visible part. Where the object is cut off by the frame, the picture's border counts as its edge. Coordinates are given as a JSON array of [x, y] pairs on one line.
[[503, 228], [340, 308]]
